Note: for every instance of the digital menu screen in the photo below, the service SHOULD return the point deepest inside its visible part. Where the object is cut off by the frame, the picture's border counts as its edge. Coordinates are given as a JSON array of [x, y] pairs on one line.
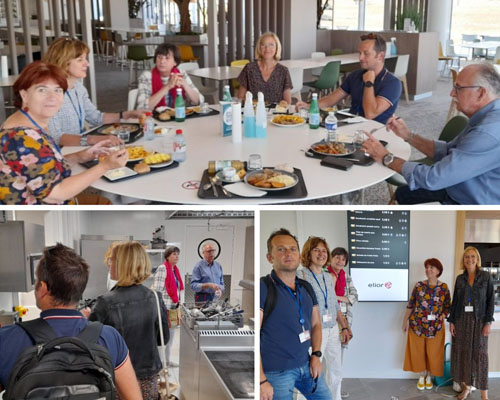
[[379, 245]]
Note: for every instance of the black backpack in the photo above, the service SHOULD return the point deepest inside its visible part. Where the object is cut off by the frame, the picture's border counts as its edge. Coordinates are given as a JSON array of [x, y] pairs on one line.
[[62, 368], [272, 295]]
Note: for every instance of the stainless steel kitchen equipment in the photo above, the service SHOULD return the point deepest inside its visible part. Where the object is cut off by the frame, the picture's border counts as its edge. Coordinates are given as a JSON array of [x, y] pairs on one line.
[[189, 293], [208, 357], [21, 246]]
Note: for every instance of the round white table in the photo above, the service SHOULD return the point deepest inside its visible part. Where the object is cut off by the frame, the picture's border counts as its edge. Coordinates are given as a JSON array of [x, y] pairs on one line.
[[282, 145]]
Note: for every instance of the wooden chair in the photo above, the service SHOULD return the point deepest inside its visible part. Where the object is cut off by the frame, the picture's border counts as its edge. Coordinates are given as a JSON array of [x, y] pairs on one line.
[[237, 63], [400, 72], [447, 60], [187, 53]]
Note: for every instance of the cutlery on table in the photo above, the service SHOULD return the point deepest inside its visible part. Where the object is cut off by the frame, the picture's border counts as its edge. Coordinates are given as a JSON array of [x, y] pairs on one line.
[[224, 190], [214, 188]]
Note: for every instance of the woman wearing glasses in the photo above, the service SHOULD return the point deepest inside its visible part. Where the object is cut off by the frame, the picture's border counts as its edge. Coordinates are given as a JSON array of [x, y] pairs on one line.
[[68, 125], [266, 74], [315, 255], [428, 306]]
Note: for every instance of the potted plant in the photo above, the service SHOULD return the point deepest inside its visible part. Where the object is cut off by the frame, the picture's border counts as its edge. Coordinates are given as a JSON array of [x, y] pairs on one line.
[[413, 14], [134, 7], [185, 34]]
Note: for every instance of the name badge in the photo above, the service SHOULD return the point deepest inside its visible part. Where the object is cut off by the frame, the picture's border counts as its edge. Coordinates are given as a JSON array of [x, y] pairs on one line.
[[343, 308], [327, 318], [304, 336], [431, 317], [469, 308]]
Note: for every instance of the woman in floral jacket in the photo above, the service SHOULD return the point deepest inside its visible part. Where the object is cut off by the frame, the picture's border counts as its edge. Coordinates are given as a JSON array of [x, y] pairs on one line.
[[429, 305]]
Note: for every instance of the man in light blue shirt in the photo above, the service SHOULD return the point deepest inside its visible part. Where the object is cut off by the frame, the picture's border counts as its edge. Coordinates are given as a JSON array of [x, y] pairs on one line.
[[207, 280], [467, 169]]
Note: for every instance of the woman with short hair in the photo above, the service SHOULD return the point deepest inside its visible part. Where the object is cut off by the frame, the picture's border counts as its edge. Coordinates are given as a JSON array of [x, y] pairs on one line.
[[266, 74], [131, 308], [429, 305], [158, 87]]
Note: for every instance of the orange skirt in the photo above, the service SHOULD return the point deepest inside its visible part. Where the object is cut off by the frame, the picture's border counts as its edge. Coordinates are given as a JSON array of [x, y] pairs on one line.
[[425, 354]]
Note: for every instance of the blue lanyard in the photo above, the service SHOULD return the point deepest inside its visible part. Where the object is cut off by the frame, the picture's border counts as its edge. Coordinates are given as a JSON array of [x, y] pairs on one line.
[[469, 290], [78, 112], [298, 301], [432, 295], [325, 293], [34, 122]]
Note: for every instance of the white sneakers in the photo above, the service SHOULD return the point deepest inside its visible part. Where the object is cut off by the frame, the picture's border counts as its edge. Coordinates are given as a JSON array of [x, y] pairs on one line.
[[424, 383]]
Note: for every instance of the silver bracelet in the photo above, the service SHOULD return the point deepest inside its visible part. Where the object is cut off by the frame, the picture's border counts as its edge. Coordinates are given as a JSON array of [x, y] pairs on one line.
[[410, 138]]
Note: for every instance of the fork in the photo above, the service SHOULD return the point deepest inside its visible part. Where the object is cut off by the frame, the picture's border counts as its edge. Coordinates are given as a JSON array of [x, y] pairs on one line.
[[214, 186], [219, 183]]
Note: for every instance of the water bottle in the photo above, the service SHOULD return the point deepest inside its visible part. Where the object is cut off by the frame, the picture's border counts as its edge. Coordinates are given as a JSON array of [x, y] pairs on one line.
[[314, 112], [394, 51], [249, 116], [149, 127], [227, 94], [180, 107], [260, 117], [179, 146], [331, 127]]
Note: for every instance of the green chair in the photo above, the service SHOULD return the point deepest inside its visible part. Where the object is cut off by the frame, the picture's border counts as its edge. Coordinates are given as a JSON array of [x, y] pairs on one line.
[[136, 54], [336, 52], [328, 79], [452, 128]]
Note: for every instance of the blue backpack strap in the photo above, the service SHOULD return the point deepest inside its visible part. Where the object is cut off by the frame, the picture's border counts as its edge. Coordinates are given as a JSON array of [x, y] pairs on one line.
[[271, 298], [38, 330], [91, 333]]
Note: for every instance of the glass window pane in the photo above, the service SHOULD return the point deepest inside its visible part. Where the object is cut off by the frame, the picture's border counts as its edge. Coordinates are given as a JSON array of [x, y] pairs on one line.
[[374, 15], [478, 17], [327, 17], [345, 14]]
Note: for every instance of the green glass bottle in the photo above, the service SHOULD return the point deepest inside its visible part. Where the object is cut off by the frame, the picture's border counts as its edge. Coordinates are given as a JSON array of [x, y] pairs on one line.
[[314, 112], [180, 107]]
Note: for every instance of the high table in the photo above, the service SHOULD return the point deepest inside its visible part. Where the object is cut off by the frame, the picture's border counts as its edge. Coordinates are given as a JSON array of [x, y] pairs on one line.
[[282, 145], [481, 46]]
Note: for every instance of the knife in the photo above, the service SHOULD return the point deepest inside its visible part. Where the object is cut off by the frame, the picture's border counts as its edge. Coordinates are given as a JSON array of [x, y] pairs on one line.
[[214, 188], [224, 190]]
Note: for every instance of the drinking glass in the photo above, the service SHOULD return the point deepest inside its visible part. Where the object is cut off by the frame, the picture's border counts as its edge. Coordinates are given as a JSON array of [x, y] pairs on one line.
[[254, 162], [358, 139], [204, 109], [303, 113], [124, 135]]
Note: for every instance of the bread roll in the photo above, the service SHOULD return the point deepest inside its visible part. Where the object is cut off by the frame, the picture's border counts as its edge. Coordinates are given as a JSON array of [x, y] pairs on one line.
[[142, 168]]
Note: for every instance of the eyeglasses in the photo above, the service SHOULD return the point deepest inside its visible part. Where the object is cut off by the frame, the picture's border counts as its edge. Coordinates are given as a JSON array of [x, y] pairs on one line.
[[457, 88], [369, 36]]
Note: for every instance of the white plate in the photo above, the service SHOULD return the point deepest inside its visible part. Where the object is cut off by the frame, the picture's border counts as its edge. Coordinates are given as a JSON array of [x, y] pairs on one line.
[[288, 126], [161, 165], [259, 171], [119, 173], [220, 175]]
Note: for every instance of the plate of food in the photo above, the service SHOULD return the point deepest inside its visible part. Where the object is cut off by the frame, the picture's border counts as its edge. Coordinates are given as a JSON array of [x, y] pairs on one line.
[[136, 153], [113, 129], [164, 114], [119, 173], [288, 121], [235, 178], [329, 109], [271, 179], [333, 148], [158, 160]]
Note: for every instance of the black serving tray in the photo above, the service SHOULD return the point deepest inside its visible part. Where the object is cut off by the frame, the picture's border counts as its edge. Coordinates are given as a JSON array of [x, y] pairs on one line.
[[296, 192], [131, 165], [134, 136], [190, 116], [357, 158]]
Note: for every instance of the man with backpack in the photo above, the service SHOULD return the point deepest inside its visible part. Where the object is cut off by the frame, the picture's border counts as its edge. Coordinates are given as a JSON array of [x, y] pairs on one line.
[[290, 324], [61, 354]]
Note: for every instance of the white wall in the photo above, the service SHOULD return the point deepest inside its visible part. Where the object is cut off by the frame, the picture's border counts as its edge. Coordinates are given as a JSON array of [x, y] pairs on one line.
[[439, 20], [300, 29], [377, 349]]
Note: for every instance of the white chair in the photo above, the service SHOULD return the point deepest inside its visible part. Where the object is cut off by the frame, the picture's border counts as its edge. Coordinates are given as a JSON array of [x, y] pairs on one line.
[[317, 55], [206, 91], [297, 75], [400, 72], [450, 52], [132, 99], [497, 56]]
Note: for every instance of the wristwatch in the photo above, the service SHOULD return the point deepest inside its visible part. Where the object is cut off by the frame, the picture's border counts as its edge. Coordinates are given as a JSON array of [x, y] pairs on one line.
[[388, 159], [317, 353], [83, 140], [369, 84]]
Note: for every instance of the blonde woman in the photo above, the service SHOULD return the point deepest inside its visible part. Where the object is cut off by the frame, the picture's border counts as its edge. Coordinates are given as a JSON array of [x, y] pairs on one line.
[[131, 308], [470, 320], [266, 74], [68, 125]]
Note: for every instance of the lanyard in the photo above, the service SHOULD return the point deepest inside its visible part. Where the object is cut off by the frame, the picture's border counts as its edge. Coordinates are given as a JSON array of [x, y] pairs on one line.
[[78, 112], [469, 290], [298, 301], [325, 292], [432, 295], [34, 122]]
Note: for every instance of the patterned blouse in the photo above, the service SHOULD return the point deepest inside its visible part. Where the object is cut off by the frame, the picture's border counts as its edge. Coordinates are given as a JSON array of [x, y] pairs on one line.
[[31, 165], [251, 79], [159, 285], [420, 302]]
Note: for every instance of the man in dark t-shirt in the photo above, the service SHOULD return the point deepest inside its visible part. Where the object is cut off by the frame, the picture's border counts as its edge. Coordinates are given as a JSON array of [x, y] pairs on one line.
[[373, 89]]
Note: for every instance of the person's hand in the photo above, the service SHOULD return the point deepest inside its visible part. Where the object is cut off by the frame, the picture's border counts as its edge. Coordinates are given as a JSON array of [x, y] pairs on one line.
[[266, 391], [112, 140], [374, 148], [486, 330], [301, 104], [369, 76], [398, 126], [114, 160], [180, 81], [350, 333], [218, 293], [345, 336], [343, 299], [101, 148], [139, 114], [405, 326], [86, 312], [315, 366], [452, 329]]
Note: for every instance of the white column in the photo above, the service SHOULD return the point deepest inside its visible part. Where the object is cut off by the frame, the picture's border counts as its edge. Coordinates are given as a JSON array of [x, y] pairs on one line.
[[212, 34], [439, 19], [86, 24]]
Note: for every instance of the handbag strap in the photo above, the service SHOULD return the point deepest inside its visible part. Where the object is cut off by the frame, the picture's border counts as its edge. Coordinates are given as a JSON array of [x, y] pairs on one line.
[[163, 347]]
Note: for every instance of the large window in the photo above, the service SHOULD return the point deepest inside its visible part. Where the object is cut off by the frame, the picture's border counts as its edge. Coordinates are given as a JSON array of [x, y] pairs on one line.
[[478, 17], [374, 15], [345, 14]]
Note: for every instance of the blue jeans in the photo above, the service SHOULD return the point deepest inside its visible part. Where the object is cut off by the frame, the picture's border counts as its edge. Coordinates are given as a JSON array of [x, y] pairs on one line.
[[283, 383], [406, 196]]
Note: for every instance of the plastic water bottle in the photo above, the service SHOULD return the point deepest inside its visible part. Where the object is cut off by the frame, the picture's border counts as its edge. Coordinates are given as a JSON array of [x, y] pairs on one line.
[[227, 94], [179, 146], [314, 112], [180, 107], [249, 116], [394, 50], [149, 127], [331, 127], [260, 117]]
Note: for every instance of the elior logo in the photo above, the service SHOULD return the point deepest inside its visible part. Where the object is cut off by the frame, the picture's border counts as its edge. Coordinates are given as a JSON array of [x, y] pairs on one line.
[[388, 285]]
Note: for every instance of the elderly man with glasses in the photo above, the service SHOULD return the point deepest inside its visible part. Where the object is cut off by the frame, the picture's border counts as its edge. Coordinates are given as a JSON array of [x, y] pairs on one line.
[[207, 280], [374, 91], [467, 169]]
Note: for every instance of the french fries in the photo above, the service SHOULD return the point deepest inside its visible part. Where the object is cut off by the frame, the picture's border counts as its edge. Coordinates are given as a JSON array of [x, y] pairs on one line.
[[288, 120]]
